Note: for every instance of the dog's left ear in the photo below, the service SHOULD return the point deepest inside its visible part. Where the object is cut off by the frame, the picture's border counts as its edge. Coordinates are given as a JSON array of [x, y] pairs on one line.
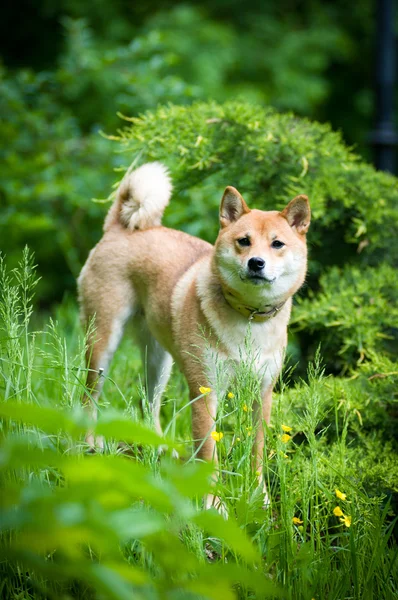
[[232, 206], [298, 214]]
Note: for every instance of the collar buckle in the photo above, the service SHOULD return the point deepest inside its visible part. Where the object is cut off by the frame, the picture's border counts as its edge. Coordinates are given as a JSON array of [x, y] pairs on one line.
[[251, 313]]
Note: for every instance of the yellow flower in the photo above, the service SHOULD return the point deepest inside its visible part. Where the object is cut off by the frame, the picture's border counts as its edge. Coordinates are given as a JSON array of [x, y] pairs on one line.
[[238, 439], [286, 428], [297, 521], [230, 395], [338, 512], [204, 390], [245, 407], [258, 473], [346, 520], [217, 435], [340, 495], [285, 438]]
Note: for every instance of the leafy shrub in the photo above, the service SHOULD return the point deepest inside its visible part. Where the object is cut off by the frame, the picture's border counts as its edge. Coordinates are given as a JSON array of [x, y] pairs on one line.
[[361, 305]]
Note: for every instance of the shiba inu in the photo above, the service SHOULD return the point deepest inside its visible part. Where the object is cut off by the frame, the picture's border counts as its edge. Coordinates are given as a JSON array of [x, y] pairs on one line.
[[175, 287]]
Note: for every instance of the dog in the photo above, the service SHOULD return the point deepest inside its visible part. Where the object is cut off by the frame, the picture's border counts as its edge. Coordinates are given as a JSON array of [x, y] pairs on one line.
[[190, 301]]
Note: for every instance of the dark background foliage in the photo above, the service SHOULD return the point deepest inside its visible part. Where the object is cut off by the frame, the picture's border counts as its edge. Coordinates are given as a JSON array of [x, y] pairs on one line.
[[69, 68]]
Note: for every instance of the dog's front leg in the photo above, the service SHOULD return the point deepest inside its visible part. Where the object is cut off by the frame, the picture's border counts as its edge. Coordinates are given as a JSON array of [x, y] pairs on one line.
[[262, 417], [203, 424], [204, 412]]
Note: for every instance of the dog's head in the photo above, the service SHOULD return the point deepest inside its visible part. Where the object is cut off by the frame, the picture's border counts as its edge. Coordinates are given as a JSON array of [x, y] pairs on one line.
[[262, 255]]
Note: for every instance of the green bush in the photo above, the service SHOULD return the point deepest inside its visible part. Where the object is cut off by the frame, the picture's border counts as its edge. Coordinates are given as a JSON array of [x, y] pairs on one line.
[[355, 314]]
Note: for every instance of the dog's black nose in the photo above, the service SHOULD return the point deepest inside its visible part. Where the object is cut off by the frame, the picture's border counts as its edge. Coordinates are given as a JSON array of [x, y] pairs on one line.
[[256, 264]]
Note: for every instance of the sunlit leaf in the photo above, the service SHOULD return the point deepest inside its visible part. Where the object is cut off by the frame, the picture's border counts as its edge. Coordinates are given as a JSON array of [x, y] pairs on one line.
[[50, 420], [227, 530]]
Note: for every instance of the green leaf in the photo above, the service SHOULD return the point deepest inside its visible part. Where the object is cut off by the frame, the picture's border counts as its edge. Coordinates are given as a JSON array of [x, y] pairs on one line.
[[111, 425], [50, 420], [107, 475], [227, 530]]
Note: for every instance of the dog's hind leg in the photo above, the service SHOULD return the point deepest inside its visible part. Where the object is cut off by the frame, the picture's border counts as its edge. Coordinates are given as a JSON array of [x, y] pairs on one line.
[[158, 364], [109, 309]]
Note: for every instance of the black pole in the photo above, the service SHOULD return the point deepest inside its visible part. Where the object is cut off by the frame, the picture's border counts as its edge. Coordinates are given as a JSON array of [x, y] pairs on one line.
[[385, 138]]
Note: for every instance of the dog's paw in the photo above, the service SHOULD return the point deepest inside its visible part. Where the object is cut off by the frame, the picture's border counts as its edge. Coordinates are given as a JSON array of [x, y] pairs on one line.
[[164, 448], [266, 500], [211, 501], [94, 443], [263, 488]]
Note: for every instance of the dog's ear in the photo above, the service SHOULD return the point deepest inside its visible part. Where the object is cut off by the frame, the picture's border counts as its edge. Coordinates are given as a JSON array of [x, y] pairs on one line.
[[298, 214], [232, 206]]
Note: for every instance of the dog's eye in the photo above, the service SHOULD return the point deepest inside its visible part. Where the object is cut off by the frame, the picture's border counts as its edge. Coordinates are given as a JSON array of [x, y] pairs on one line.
[[244, 241], [277, 244]]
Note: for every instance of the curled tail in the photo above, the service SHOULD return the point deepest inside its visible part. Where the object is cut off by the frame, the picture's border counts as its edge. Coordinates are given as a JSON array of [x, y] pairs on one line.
[[141, 198]]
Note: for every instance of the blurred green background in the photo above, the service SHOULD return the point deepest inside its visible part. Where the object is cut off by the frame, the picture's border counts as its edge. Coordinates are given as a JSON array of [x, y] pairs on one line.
[[69, 67]]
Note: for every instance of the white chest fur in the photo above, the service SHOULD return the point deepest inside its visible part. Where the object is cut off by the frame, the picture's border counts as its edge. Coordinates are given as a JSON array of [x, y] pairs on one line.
[[259, 344]]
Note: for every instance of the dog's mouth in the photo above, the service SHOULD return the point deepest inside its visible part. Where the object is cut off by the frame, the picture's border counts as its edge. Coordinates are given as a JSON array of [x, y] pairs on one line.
[[257, 279]]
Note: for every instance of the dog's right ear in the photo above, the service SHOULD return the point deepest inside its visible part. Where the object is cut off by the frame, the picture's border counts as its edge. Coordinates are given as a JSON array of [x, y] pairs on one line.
[[232, 207]]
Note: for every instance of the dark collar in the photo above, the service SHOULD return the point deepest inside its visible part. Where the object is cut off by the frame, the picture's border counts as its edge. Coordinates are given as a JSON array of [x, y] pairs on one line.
[[252, 313]]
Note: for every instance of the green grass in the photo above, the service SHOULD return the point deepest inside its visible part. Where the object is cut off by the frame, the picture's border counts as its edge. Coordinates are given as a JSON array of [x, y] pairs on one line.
[[121, 526]]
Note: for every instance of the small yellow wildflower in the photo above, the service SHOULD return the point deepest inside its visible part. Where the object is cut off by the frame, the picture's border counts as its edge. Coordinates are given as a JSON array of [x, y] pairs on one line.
[[297, 521], [245, 407], [346, 520], [217, 435], [204, 390], [230, 395], [286, 428], [340, 495], [238, 439], [338, 512], [258, 473], [285, 438]]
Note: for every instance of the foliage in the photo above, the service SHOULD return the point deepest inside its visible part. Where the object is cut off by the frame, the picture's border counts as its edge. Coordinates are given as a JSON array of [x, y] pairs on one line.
[[116, 525], [361, 305], [312, 57], [49, 173]]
